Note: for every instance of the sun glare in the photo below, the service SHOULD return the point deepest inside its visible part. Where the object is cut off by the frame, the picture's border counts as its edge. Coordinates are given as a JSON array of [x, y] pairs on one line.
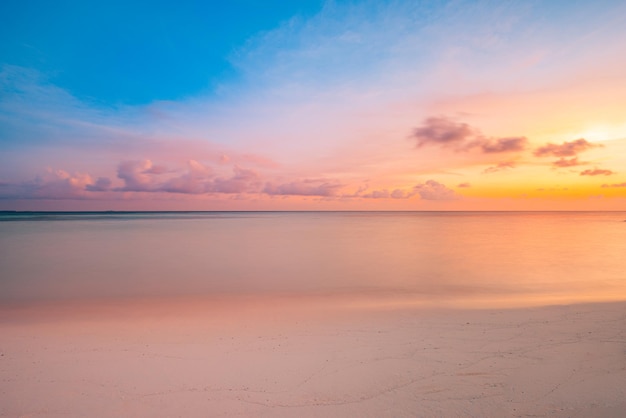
[[601, 133]]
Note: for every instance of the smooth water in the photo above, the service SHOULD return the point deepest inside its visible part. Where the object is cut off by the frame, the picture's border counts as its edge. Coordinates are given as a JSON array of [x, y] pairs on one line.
[[439, 257]]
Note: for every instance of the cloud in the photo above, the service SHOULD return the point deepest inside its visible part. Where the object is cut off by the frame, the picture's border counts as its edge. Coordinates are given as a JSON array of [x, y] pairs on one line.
[[505, 165], [59, 184], [156, 169], [401, 194], [377, 194], [307, 187], [430, 190], [446, 133], [443, 132], [499, 145], [143, 176], [53, 184], [614, 185], [101, 185], [386, 194], [433, 190], [572, 162], [596, 172], [566, 149], [463, 185], [137, 176], [242, 181], [194, 181]]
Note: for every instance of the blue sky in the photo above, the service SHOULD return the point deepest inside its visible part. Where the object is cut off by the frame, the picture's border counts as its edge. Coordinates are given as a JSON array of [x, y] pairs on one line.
[[136, 52], [313, 105]]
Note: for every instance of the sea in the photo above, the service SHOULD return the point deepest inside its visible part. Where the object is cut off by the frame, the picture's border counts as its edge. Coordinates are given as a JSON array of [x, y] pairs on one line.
[[478, 259]]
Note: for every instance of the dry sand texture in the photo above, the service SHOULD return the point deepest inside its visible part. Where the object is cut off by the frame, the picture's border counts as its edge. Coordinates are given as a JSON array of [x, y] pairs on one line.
[[561, 361]]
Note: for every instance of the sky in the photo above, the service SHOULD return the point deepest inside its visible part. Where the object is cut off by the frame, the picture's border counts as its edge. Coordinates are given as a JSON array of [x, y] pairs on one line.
[[313, 105]]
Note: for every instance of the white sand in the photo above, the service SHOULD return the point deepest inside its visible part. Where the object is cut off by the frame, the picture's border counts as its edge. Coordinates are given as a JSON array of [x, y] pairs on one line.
[[257, 359]]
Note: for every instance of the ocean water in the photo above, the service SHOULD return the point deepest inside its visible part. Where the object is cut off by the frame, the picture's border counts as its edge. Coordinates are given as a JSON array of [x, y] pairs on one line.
[[447, 258]]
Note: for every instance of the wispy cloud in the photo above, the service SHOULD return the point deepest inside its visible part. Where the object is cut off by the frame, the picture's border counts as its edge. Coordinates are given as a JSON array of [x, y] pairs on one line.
[[565, 149], [504, 165], [571, 162], [596, 172]]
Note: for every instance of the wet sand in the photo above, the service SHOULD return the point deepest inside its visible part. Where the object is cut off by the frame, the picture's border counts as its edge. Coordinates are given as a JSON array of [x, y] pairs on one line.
[[262, 357]]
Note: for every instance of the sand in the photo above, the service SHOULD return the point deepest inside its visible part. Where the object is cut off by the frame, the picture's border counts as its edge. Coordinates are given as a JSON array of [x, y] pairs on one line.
[[262, 358]]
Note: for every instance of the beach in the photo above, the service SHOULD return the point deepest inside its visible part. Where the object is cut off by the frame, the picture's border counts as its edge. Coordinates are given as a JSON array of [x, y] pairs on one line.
[[312, 314], [283, 358]]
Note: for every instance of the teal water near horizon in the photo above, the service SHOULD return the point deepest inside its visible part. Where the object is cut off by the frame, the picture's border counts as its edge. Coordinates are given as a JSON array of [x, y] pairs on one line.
[[437, 257]]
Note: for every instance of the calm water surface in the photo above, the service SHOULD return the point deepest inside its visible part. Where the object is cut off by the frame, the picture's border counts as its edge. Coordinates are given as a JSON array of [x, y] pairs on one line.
[[438, 257]]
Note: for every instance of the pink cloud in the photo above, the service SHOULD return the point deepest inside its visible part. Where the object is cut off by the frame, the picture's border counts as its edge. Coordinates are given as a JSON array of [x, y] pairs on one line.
[[572, 162], [156, 169], [505, 165], [377, 194], [401, 194], [464, 185], [194, 181], [140, 176], [137, 175], [596, 172], [307, 187], [53, 184], [433, 190], [242, 181], [386, 194]]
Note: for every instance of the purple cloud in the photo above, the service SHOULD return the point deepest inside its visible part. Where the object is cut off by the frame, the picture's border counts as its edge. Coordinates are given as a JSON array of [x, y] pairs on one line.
[[614, 185], [566, 149], [103, 184], [464, 185], [500, 145], [444, 132], [447, 133]]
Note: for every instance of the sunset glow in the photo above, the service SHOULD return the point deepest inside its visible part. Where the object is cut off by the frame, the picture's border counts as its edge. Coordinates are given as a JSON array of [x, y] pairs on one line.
[[320, 105]]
